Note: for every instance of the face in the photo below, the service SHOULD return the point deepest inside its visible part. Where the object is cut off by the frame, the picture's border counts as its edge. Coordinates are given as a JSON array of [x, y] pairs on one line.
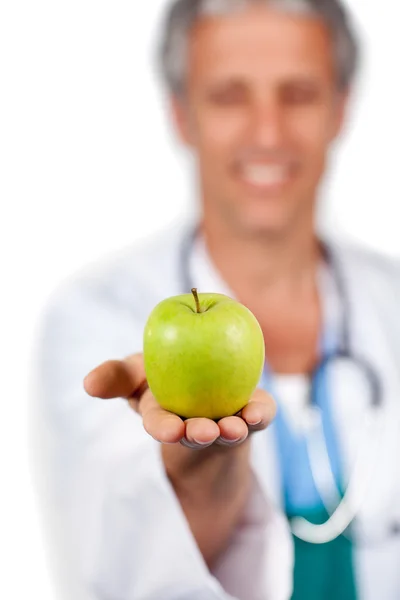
[[260, 110]]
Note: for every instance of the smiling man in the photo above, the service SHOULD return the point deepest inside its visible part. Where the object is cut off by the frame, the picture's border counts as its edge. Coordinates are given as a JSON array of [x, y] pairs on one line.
[[261, 104], [258, 92]]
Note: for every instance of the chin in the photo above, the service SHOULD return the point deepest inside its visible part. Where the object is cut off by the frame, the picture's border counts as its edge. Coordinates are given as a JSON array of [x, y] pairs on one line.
[[273, 228], [272, 215], [269, 221]]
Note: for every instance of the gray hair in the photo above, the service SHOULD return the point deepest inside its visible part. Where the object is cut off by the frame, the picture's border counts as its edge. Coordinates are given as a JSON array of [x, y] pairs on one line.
[[182, 15]]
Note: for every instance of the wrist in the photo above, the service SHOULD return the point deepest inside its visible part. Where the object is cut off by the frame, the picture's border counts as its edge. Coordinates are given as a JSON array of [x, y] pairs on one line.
[[214, 474]]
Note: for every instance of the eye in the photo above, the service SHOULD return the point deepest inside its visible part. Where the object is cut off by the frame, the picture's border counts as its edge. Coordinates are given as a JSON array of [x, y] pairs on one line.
[[299, 94], [228, 96]]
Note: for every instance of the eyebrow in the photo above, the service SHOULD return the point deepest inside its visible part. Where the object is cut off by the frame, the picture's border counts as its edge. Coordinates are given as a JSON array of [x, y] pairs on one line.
[[307, 80]]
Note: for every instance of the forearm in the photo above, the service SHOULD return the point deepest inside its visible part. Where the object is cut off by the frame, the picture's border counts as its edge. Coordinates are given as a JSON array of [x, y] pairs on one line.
[[212, 486]]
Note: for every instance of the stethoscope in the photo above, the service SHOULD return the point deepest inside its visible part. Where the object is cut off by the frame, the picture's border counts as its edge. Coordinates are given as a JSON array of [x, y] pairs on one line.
[[341, 508]]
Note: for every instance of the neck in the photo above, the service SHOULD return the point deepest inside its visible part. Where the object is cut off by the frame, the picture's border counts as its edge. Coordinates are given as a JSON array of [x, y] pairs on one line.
[[254, 265]]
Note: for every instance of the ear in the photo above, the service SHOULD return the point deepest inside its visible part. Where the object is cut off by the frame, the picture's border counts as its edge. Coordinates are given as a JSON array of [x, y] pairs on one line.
[[341, 113], [181, 119]]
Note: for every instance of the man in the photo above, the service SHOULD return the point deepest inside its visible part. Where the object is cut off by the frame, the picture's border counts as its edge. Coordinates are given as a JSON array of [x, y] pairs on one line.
[[258, 93]]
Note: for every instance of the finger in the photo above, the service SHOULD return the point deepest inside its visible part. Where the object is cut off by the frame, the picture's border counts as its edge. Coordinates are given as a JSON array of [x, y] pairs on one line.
[[233, 431], [260, 411], [201, 432], [116, 378], [163, 426]]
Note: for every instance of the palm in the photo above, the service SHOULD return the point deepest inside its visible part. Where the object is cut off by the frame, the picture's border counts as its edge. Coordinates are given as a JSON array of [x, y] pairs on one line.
[[114, 379]]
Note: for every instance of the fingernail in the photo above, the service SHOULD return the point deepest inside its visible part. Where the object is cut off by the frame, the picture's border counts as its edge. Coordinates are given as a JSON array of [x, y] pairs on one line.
[[187, 444], [231, 441], [254, 422], [193, 444], [201, 443]]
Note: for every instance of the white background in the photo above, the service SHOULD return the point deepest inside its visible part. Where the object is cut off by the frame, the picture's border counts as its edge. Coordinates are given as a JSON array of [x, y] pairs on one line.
[[88, 165]]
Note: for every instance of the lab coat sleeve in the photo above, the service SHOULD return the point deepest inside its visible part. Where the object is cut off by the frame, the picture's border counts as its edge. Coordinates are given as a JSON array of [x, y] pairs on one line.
[[262, 547], [117, 529]]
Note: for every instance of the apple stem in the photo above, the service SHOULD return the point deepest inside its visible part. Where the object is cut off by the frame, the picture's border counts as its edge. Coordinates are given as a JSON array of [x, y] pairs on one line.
[[196, 299]]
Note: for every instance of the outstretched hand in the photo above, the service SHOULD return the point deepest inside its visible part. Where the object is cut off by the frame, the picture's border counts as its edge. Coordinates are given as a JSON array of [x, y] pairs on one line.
[[127, 379]]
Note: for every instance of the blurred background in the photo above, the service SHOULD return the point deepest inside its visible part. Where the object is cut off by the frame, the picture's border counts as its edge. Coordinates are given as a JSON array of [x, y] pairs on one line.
[[88, 165]]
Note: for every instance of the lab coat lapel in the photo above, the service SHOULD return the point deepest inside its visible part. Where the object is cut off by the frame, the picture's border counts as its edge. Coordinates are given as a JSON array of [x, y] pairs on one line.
[[370, 333], [374, 338]]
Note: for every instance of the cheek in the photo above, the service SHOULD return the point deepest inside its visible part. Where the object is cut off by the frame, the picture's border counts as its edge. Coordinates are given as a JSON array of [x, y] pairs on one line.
[[311, 135], [217, 134]]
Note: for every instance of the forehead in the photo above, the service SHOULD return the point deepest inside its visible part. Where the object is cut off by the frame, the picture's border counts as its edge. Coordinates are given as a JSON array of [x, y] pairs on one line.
[[259, 43]]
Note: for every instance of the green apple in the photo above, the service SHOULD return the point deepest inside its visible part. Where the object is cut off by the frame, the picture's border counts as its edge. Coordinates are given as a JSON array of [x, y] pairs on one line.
[[203, 355]]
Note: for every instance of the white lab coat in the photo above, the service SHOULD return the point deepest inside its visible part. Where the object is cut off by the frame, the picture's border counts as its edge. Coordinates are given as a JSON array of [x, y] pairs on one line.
[[116, 526]]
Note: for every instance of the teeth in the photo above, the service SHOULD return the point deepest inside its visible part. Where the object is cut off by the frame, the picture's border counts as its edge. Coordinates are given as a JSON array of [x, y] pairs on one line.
[[265, 175]]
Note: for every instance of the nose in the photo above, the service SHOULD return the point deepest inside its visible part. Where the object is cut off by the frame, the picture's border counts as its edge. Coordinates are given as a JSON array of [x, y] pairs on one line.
[[266, 124]]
